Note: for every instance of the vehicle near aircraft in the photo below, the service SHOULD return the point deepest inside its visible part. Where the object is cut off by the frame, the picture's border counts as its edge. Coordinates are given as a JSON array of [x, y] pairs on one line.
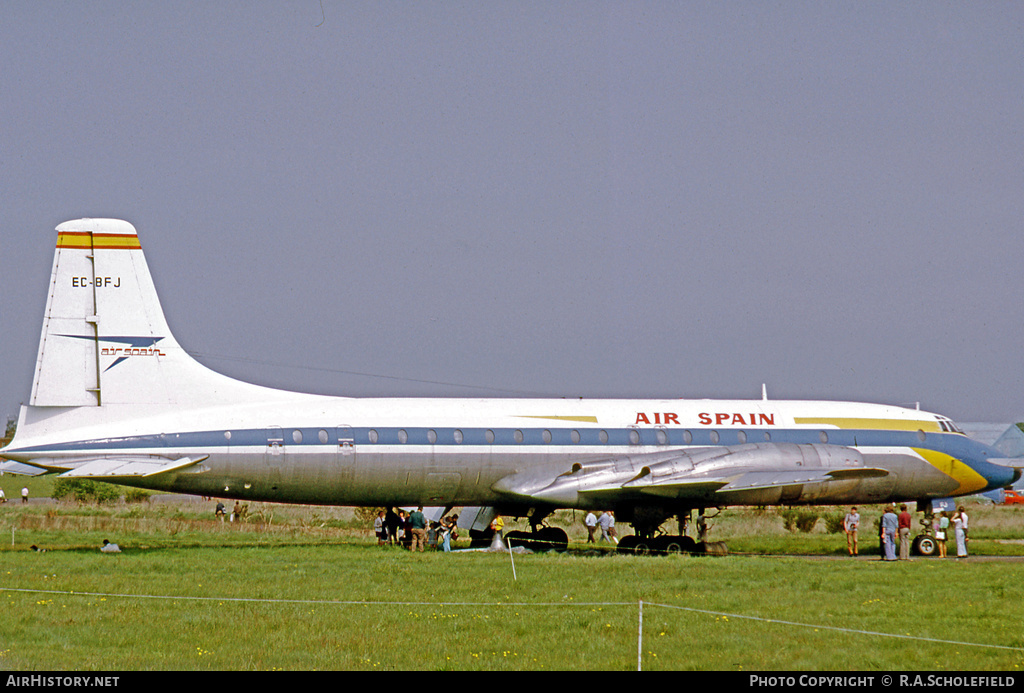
[[116, 398], [1013, 497]]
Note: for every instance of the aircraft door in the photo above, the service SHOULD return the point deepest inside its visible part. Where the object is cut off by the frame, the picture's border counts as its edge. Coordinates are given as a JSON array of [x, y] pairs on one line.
[[274, 456], [345, 455]]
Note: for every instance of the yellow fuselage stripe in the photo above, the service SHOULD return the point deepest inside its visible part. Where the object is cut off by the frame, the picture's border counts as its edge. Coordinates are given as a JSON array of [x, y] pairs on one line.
[[970, 481], [872, 424]]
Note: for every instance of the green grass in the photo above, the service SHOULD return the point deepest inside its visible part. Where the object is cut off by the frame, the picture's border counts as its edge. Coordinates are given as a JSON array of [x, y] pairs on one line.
[[311, 590]]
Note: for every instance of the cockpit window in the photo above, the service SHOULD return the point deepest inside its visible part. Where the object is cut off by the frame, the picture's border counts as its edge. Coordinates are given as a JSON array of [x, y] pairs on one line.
[[948, 426]]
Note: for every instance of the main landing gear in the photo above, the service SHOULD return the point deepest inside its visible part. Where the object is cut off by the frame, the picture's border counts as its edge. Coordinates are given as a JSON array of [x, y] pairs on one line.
[[649, 540], [539, 538]]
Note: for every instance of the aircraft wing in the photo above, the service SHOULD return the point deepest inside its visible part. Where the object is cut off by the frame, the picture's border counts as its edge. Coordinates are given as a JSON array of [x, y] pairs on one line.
[[121, 467], [700, 475], [12, 467]]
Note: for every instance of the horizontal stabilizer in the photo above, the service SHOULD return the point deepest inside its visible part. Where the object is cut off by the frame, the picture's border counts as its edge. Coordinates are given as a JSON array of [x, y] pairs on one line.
[[110, 467], [11, 467]]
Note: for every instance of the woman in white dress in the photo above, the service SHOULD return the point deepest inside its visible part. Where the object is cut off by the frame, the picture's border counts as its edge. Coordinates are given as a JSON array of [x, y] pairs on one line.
[[961, 537]]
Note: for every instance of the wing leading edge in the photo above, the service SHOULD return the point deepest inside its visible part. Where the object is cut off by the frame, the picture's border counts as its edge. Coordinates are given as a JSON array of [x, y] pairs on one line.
[[109, 467]]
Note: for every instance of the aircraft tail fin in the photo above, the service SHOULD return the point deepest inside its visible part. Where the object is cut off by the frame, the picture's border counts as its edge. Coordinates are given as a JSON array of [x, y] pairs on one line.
[[1011, 442], [105, 340]]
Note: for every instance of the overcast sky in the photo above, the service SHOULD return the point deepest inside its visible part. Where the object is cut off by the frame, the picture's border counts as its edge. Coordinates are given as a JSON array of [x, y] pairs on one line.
[[598, 199]]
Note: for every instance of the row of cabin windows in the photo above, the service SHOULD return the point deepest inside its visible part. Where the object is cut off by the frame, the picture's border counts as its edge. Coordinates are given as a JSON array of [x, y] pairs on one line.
[[634, 436], [517, 435]]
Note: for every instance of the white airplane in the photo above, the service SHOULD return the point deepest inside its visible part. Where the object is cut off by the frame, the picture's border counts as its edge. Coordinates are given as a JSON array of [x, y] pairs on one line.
[[116, 398]]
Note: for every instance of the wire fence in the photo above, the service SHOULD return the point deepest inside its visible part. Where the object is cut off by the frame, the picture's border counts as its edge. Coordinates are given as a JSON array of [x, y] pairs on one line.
[[639, 605]]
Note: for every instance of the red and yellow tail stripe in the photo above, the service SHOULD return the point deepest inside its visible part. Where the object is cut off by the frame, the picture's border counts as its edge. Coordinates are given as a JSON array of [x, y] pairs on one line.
[[97, 241]]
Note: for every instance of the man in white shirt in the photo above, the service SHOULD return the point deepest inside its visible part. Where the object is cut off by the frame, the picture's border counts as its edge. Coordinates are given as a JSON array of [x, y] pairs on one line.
[[591, 522]]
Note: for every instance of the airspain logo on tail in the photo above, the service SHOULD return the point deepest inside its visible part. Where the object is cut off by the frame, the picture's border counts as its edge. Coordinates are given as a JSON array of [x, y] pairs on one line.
[[130, 347]]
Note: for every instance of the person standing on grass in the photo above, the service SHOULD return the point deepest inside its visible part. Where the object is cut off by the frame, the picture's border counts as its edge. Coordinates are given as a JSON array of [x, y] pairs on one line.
[[904, 521], [941, 527], [890, 524], [591, 523], [448, 532], [392, 521], [419, 530], [851, 523], [24, 494], [379, 529], [960, 534], [604, 522]]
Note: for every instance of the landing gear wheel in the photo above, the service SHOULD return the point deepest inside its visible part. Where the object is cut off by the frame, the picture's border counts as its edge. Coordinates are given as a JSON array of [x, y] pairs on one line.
[[675, 545], [924, 545], [555, 538], [643, 547], [544, 539]]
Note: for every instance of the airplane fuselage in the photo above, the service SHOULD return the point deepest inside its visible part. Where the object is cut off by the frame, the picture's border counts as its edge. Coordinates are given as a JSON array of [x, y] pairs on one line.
[[345, 451]]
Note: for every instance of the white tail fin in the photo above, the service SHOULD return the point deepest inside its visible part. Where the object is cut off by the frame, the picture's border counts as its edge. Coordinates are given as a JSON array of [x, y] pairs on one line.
[[105, 340]]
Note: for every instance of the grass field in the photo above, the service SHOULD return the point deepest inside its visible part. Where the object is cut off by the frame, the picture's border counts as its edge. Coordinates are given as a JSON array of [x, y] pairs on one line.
[[307, 588]]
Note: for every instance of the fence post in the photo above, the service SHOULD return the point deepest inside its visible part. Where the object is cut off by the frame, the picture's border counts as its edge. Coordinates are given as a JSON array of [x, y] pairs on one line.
[[640, 639]]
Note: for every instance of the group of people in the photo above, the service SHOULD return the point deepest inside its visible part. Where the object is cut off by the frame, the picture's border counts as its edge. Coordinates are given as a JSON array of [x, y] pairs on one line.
[[607, 524], [894, 532], [24, 495], [940, 529], [237, 514], [412, 531]]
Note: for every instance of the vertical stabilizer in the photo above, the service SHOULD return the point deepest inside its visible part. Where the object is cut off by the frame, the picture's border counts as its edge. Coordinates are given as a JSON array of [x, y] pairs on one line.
[[91, 267], [105, 340]]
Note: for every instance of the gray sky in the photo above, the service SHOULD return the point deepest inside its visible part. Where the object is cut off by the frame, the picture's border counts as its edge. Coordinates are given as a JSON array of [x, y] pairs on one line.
[[679, 199]]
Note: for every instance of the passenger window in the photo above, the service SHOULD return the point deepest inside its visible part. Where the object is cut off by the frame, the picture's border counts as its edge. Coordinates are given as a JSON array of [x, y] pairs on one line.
[[741, 437], [431, 436], [546, 436], [489, 436], [457, 435], [634, 436], [714, 437], [322, 436], [372, 435], [603, 436], [687, 437], [662, 437], [823, 437], [517, 435], [297, 436], [575, 435], [403, 437]]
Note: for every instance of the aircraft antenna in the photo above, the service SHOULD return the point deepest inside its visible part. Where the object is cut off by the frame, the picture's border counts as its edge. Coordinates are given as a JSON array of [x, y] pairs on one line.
[[764, 392]]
